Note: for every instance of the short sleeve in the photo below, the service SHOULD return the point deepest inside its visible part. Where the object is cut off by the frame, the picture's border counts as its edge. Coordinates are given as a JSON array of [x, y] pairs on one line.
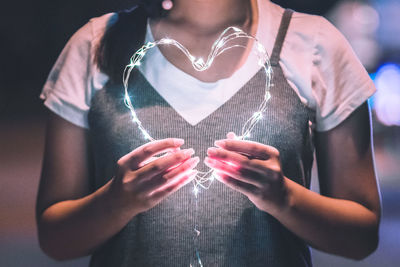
[[66, 91], [340, 83], [75, 78]]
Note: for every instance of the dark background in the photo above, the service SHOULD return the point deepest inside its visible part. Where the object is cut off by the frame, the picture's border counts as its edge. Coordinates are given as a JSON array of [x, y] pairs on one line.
[[33, 33]]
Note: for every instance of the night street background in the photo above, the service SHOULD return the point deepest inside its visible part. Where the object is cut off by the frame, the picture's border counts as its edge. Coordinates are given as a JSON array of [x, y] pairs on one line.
[[33, 33]]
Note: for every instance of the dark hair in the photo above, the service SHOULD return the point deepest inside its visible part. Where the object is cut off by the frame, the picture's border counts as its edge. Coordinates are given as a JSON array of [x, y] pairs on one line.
[[125, 37]]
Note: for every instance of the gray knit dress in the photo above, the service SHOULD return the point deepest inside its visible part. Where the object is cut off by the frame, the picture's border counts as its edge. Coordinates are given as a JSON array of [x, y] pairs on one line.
[[233, 231]]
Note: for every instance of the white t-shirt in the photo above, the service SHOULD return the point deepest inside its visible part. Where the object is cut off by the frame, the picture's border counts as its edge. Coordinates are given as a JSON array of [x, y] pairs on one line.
[[317, 61]]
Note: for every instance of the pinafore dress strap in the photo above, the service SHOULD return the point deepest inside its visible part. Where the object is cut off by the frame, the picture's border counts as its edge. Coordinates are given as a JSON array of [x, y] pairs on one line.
[[280, 38]]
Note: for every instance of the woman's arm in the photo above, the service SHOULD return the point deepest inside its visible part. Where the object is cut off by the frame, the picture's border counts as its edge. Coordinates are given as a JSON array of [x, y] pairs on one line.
[[72, 221], [346, 172], [344, 220]]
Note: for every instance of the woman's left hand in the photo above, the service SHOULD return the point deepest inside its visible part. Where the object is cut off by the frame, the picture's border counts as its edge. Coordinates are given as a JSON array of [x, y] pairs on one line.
[[344, 218], [251, 168]]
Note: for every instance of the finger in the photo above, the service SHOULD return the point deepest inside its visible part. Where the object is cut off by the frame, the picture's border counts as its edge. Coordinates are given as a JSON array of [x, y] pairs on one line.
[[173, 186], [157, 182], [184, 167], [151, 159], [147, 161], [251, 148], [146, 151], [162, 164], [232, 171], [244, 188], [235, 158]]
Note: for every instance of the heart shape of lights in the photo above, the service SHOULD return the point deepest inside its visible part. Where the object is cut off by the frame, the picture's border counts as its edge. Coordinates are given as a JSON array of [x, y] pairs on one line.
[[221, 45]]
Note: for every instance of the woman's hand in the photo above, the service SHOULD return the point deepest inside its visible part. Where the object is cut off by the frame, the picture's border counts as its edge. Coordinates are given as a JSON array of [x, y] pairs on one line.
[[142, 181], [72, 220], [251, 168], [344, 218]]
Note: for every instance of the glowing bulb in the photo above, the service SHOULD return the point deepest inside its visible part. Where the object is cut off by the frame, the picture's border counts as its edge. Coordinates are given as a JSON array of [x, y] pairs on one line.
[[267, 96], [146, 135], [149, 45], [167, 41], [196, 191], [260, 48], [257, 115], [212, 177], [200, 61]]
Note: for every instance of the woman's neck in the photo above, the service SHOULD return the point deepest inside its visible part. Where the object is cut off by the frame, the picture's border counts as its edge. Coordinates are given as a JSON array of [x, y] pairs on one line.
[[196, 24], [213, 15]]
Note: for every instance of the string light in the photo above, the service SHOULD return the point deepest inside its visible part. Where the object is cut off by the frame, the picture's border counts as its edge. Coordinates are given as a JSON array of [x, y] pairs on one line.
[[221, 45]]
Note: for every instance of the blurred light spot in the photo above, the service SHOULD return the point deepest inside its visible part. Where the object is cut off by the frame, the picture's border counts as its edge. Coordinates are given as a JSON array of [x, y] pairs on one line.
[[359, 23], [367, 16], [389, 28], [387, 98]]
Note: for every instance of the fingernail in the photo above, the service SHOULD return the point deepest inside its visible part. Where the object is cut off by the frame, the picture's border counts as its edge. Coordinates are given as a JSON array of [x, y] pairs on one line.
[[188, 152], [219, 143], [211, 151], [231, 135], [178, 141]]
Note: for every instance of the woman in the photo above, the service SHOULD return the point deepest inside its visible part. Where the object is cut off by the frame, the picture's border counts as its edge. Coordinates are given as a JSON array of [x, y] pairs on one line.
[[103, 193]]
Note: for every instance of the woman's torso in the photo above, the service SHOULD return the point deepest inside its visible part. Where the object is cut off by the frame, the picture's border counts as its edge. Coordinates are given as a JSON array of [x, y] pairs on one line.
[[233, 231]]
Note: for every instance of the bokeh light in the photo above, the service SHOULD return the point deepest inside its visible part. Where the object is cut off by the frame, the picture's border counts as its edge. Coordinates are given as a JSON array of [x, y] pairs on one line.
[[386, 102]]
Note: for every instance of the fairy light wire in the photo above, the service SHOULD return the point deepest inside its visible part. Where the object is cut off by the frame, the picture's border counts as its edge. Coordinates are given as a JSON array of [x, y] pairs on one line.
[[220, 46]]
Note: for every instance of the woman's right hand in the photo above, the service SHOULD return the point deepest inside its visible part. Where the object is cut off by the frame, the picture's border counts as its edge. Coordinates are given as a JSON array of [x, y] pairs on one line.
[[142, 181], [72, 220]]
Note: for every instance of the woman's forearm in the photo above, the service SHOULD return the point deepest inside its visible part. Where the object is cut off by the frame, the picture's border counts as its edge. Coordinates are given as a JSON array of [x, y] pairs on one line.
[[74, 228], [336, 226]]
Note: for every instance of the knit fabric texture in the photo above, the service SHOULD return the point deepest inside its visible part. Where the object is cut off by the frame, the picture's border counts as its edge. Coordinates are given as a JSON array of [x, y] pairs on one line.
[[233, 231]]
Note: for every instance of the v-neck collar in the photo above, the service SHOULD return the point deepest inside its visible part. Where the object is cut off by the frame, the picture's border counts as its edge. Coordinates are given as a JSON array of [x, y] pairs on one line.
[[155, 98], [192, 99]]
